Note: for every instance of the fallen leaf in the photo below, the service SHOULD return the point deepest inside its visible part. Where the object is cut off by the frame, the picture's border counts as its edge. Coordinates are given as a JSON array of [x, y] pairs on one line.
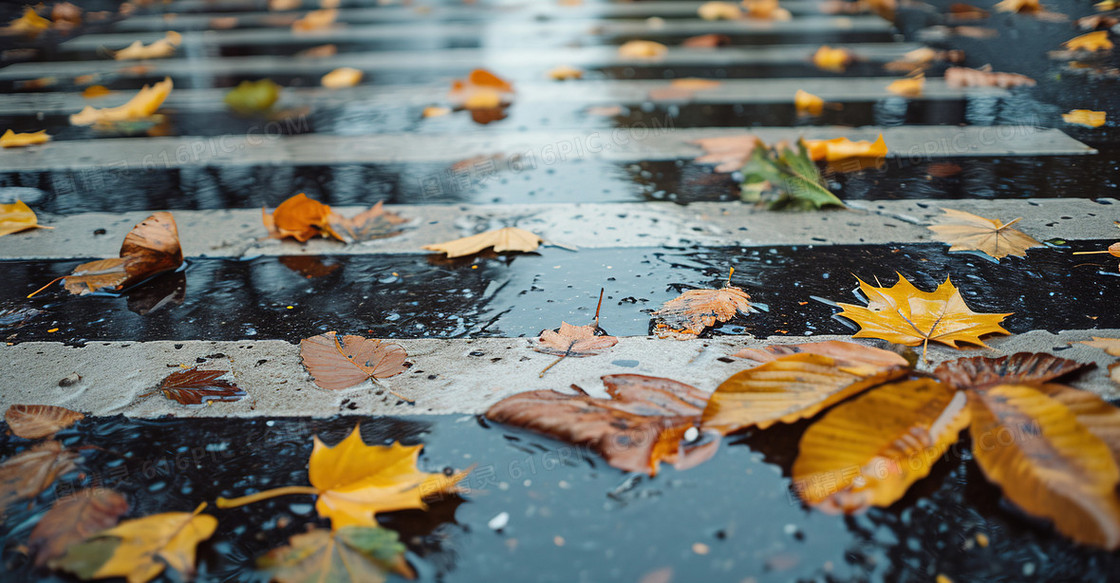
[[1097, 21], [284, 5], [728, 153], [846, 352], [435, 111], [253, 96], [959, 11], [959, 77], [29, 23], [355, 482], [830, 59], [223, 22], [680, 89], [16, 217], [340, 363], [142, 105], [358, 554], [968, 232], [578, 341], [766, 10], [1109, 345], [1100, 417], [807, 104], [144, 547], [838, 149], [565, 73], [642, 49], [642, 424], [342, 77], [707, 41], [980, 373], [95, 91], [506, 239], [31, 471], [846, 463], [37, 84], [164, 47], [1092, 42], [150, 248], [1085, 117], [1020, 6], [481, 90], [197, 387], [790, 388], [300, 218], [719, 11], [319, 52], [1047, 462], [784, 178], [74, 519], [688, 314], [11, 139], [904, 314], [910, 87], [35, 421], [316, 20], [373, 223]]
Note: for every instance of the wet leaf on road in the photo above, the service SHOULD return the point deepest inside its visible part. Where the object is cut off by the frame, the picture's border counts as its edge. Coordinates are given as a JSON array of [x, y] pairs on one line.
[[835, 60], [29, 472], [164, 47], [1047, 462], [846, 463], [340, 363], [36, 421], [196, 387], [575, 341], [645, 422], [838, 149], [16, 217], [848, 352], [688, 314], [253, 96], [1100, 417], [979, 373], [142, 105], [807, 104], [642, 49], [300, 218], [506, 239], [74, 519], [1085, 117], [10, 139], [782, 177], [904, 314], [142, 548], [358, 554], [1092, 42], [150, 248], [728, 153], [959, 77], [968, 232], [481, 90]]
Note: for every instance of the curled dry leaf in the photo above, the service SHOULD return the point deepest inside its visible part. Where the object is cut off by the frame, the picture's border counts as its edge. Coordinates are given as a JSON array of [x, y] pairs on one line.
[[578, 341], [968, 232], [904, 314], [847, 353], [150, 248], [1047, 462], [11, 139], [340, 363], [794, 387], [909, 87], [830, 59], [142, 105], [839, 149], [959, 77], [641, 425], [642, 49], [141, 548], [707, 41], [846, 464], [342, 77], [316, 20], [1085, 117], [358, 554], [1100, 417], [300, 218], [197, 387], [74, 519], [719, 11], [688, 314], [807, 104], [35, 421], [728, 153], [368, 225], [506, 239], [164, 47], [1091, 42], [31, 471], [980, 373], [16, 217]]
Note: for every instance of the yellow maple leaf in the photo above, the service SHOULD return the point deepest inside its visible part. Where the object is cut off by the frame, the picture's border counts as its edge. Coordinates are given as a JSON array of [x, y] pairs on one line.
[[354, 481], [1092, 42], [1085, 117], [904, 314], [807, 104], [838, 149], [968, 232], [16, 217], [142, 105], [11, 139], [507, 239], [145, 547]]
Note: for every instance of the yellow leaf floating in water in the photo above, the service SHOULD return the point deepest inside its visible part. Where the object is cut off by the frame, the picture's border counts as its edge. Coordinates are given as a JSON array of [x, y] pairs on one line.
[[1092, 42], [11, 139], [1085, 117], [969, 232], [16, 217], [142, 105]]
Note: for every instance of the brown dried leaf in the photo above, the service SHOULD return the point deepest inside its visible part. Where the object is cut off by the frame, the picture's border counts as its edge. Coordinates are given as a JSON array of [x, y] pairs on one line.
[[979, 373], [728, 153], [686, 315], [642, 425], [340, 363], [374, 223], [958, 77], [968, 232], [74, 519], [707, 41], [195, 387], [847, 352], [300, 218], [507, 239], [28, 473], [35, 421], [150, 248], [576, 341]]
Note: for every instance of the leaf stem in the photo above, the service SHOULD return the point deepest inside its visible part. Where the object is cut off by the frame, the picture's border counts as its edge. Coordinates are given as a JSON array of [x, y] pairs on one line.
[[1075, 253], [251, 498], [554, 363], [50, 283]]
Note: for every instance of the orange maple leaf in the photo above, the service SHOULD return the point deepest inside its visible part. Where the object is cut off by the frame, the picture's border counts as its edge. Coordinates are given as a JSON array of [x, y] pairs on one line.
[[686, 315]]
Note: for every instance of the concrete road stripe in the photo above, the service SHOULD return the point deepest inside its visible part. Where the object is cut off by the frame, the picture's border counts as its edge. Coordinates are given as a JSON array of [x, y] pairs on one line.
[[447, 376], [838, 90], [540, 60], [264, 147], [557, 31], [239, 233]]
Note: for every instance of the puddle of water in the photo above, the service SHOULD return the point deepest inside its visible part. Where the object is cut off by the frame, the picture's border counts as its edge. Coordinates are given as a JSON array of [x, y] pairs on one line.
[[571, 517]]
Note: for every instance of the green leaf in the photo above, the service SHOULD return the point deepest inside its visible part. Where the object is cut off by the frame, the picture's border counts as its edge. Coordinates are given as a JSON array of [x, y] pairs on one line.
[[85, 558], [351, 553], [785, 179], [253, 96]]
